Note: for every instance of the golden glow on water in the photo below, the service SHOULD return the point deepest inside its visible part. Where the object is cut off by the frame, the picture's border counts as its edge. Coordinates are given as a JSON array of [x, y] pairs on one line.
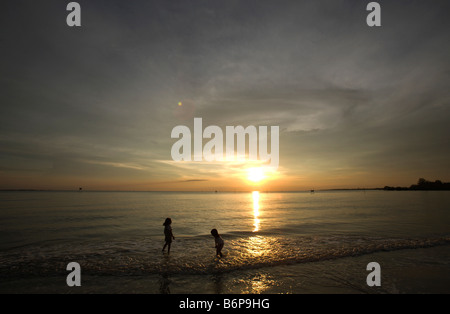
[[257, 246], [256, 221], [259, 283]]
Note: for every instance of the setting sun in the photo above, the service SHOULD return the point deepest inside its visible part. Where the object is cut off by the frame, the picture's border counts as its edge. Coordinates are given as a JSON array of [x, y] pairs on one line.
[[255, 174]]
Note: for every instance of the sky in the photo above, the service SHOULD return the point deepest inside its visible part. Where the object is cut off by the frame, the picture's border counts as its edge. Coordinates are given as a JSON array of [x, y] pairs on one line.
[[94, 106]]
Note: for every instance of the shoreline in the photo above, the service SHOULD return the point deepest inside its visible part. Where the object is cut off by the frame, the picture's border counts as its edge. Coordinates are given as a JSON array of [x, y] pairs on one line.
[[409, 271]]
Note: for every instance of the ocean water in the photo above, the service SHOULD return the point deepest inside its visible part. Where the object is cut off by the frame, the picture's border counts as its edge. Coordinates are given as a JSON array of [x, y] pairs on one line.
[[274, 242]]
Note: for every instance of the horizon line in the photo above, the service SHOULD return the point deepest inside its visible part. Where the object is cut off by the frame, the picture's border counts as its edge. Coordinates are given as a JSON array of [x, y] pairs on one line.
[[191, 191]]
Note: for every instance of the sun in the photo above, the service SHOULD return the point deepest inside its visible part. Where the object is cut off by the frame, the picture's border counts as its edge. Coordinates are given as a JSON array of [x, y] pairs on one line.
[[255, 174]]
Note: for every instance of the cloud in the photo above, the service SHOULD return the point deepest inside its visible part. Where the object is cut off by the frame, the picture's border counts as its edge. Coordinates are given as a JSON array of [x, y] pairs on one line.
[[194, 180], [102, 100]]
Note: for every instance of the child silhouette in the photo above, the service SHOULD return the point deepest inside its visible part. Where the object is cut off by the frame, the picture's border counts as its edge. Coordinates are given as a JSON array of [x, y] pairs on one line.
[[219, 242], [168, 234]]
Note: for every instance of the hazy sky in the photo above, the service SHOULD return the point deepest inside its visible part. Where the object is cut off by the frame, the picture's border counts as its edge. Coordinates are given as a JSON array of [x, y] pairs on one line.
[[94, 106]]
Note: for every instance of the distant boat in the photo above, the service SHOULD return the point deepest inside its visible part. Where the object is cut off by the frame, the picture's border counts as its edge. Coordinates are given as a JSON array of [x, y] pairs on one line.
[[312, 191]]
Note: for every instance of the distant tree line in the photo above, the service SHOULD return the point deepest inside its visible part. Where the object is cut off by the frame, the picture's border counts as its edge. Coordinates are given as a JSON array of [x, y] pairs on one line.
[[422, 185]]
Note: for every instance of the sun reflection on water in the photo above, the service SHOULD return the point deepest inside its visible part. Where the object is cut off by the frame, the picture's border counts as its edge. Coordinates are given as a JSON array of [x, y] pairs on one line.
[[256, 221], [257, 284]]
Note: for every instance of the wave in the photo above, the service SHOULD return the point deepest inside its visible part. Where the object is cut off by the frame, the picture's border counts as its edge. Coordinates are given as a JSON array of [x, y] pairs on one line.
[[141, 256]]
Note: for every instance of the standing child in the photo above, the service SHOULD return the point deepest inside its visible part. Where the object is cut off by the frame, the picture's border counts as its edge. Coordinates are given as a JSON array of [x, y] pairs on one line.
[[168, 234], [219, 242]]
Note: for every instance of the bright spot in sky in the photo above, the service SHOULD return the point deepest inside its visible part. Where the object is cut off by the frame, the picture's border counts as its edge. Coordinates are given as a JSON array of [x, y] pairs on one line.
[[255, 174], [180, 103]]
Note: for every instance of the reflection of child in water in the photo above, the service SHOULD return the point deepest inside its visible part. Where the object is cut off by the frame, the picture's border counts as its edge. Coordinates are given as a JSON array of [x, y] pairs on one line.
[[168, 234], [219, 242]]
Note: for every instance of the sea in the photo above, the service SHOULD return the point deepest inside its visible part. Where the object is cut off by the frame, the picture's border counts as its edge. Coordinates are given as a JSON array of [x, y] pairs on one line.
[[275, 243]]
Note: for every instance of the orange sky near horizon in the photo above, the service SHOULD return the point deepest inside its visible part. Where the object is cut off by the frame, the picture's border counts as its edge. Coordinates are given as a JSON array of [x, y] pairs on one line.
[[237, 182]]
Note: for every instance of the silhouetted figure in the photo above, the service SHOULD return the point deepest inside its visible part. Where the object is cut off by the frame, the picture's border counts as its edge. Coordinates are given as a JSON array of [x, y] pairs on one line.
[[168, 234], [219, 242]]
